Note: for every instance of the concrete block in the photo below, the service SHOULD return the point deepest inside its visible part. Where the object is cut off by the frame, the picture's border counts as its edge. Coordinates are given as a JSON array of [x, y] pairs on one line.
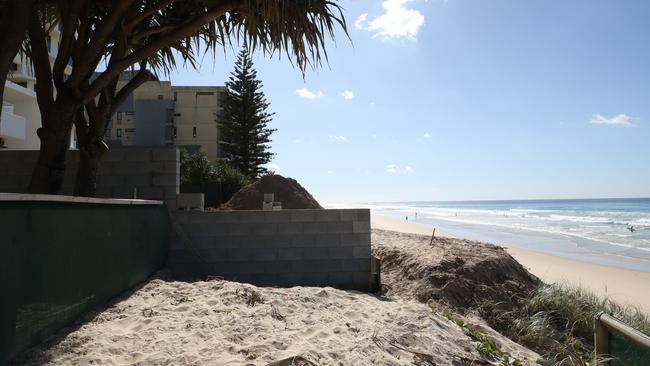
[[315, 279], [162, 180], [361, 226], [291, 254], [201, 241], [180, 255], [113, 155], [364, 239], [341, 252], [316, 253], [291, 228], [279, 266], [289, 279], [277, 241], [113, 180], [181, 217], [361, 252], [351, 265], [340, 227], [171, 204], [138, 155], [250, 217], [349, 240], [303, 215], [302, 266], [156, 167], [211, 255], [303, 241], [170, 167], [171, 191], [246, 254], [365, 265], [252, 241], [190, 201], [315, 227], [362, 279], [327, 240], [137, 180], [208, 229], [252, 267], [328, 215], [277, 216], [329, 266], [343, 279], [150, 193], [226, 241], [348, 215], [166, 154], [363, 214], [240, 229], [123, 168]]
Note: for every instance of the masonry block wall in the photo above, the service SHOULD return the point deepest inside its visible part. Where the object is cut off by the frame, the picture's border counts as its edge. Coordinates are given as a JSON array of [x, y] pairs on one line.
[[154, 172], [275, 248]]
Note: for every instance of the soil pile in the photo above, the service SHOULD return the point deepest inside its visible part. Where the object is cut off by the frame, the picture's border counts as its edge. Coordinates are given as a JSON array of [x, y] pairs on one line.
[[460, 273], [286, 190]]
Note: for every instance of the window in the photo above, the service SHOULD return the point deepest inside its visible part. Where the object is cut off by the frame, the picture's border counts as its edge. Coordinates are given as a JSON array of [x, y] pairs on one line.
[[160, 97], [177, 114], [119, 116], [175, 96], [194, 132], [108, 133], [118, 132], [129, 130], [175, 132]]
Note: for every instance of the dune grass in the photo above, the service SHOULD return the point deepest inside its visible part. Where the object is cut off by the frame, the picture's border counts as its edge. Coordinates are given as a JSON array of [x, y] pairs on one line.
[[557, 321]]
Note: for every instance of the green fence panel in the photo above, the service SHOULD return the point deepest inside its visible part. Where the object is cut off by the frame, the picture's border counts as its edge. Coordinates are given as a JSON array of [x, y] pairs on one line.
[[59, 259], [624, 352]]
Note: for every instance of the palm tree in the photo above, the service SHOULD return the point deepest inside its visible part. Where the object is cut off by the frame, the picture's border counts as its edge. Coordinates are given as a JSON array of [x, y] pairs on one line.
[[154, 34]]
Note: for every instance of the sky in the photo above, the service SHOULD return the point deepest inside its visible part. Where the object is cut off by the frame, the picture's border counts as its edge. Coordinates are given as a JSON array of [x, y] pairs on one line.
[[465, 100]]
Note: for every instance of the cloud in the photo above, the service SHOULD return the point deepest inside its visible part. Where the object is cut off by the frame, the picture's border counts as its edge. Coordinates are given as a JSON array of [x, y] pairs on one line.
[[395, 169], [306, 93], [337, 138], [392, 169], [347, 94], [426, 135], [396, 21], [620, 120]]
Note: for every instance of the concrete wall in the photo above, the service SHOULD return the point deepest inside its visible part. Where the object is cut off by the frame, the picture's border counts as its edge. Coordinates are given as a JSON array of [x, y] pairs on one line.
[[154, 172], [275, 248]]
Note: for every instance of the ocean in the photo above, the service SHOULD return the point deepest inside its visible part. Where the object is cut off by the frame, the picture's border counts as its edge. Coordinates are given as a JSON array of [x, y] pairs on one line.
[[613, 232]]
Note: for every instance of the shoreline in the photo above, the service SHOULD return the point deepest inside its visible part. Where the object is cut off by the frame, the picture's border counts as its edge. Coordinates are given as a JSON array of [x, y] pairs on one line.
[[625, 286]]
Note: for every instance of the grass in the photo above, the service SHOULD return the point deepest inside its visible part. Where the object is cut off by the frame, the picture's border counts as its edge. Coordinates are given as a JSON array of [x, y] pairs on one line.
[[557, 321]]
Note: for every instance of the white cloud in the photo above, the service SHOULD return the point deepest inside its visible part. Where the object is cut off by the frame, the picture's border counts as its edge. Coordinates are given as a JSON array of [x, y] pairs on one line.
[[395, 169], [397, 21], [347, 94], [337, 138], [426, 135], [620, 120], [392, 169], [306, 93]]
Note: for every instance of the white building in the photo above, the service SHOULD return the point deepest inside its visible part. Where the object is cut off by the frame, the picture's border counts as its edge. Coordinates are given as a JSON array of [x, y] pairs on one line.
[[20, 114]]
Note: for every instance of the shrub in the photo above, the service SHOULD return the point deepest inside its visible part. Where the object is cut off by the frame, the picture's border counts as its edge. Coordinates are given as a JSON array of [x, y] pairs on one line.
[[196, 169], [232, 180]]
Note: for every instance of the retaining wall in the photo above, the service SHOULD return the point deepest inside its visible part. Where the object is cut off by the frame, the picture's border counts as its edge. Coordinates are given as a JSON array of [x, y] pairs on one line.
[[153, 171], [276, 248], [61, 256]]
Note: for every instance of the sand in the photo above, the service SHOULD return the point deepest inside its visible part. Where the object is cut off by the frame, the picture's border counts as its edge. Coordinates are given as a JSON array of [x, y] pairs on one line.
[[227, 323], [621, 285]]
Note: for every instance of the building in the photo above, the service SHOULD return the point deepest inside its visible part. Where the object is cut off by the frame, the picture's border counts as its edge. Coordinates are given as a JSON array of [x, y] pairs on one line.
[[21, 116], [159, 114]]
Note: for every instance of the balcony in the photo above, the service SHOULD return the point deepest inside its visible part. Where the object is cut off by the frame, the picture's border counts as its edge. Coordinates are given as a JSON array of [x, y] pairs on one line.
[[11, 126]]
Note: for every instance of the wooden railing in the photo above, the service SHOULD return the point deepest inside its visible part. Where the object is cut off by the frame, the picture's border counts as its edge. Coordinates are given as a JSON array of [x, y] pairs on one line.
[[606, 324]]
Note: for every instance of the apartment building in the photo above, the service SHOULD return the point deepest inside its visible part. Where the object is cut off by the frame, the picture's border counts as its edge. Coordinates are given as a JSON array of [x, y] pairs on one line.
[[20, 114], [158, 113]]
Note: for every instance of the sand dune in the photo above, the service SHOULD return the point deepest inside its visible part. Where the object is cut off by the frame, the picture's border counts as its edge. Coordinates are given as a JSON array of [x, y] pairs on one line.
[[228, 323]]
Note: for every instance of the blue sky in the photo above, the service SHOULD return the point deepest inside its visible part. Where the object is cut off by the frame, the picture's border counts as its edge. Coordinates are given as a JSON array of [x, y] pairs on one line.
[[464, 100]]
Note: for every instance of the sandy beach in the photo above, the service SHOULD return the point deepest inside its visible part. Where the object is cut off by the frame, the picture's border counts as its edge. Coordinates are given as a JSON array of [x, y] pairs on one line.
[[621, 285]]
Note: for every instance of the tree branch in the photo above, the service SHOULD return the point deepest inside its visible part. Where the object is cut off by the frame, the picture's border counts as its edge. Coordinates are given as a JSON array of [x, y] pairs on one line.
[[41, 61], [130, 24], [142, 77], [183, 31], [69, 18]]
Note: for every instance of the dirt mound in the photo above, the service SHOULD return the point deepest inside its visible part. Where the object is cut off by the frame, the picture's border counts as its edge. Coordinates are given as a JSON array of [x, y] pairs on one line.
[[286, 190], [463, 274]]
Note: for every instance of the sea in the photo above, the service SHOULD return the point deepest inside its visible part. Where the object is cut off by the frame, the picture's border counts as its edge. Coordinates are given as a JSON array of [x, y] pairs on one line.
[[613, 232]]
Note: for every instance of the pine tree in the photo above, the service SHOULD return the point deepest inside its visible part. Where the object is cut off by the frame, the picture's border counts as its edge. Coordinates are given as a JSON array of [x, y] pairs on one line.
[[244, 135]]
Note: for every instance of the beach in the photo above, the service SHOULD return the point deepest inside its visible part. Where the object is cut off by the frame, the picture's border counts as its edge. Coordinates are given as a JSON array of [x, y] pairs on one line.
[[625, 286]]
